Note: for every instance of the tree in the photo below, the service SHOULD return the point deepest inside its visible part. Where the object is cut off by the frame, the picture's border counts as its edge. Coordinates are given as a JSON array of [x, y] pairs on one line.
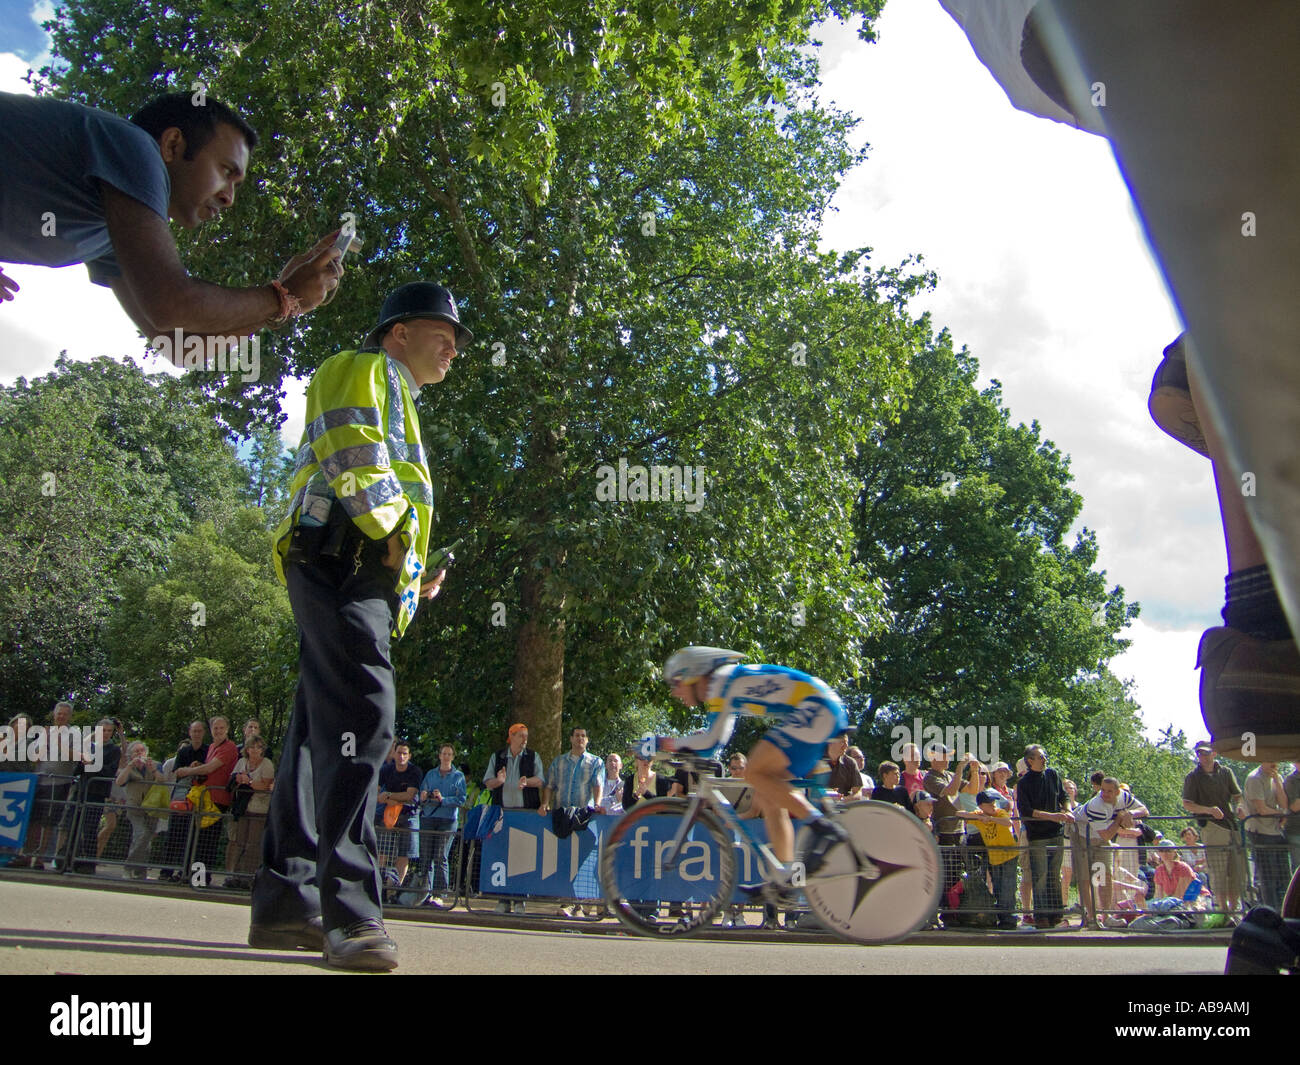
[[270, 472], [211, 633], [100, 466], [994, 618]]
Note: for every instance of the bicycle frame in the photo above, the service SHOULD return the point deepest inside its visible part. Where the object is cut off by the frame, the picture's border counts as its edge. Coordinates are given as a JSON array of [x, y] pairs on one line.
[[710, 797], [715, 800]]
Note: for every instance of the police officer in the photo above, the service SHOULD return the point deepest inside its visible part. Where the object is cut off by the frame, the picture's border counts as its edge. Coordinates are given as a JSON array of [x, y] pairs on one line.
[[351, 551]]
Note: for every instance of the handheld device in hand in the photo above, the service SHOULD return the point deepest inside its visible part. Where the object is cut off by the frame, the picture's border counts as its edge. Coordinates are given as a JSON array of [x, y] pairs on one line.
[[348, 242], [443, 557]]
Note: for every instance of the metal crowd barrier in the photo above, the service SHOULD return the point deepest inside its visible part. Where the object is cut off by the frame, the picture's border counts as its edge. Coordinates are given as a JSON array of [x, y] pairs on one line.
[[420, 883], [1271, 858], [1117, 884]]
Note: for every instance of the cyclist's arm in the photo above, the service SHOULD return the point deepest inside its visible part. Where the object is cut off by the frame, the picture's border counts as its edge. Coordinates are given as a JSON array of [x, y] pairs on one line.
[[718, 732]]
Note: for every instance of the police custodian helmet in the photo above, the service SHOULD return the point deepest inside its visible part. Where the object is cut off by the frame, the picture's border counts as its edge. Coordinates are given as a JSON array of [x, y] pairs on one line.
[[419, 299]]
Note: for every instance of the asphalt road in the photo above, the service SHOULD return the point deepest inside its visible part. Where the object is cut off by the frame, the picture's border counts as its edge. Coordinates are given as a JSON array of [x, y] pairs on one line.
[[48, 928]]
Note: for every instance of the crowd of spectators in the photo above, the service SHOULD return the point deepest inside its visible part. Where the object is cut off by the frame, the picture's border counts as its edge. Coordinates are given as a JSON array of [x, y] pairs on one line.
[[1026, 832]]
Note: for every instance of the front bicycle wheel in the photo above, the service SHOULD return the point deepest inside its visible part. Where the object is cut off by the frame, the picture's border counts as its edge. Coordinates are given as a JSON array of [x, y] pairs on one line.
[[892, 905], [650, 895]]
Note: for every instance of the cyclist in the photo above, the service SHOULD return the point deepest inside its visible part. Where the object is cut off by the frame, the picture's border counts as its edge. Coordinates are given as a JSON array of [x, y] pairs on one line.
[[807, 715]]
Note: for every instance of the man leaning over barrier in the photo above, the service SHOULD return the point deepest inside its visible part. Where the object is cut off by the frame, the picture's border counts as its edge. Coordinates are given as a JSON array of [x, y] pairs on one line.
[[83, 186]]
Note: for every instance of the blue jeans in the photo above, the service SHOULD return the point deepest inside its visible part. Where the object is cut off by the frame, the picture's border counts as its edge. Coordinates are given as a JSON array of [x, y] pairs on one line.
[[1045, 856], [1004, 878], [444, 830]]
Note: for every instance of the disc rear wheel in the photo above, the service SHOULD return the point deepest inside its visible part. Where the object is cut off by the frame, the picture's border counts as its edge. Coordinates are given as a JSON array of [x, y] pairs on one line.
[[887, 907]]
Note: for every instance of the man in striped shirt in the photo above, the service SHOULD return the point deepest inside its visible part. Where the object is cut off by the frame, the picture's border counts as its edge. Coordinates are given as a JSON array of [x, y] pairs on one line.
[[575, 778], [1099, 821]]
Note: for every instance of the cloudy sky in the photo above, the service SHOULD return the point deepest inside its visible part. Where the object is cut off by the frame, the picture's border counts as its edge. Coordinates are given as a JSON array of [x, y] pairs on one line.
[[1044, 274]]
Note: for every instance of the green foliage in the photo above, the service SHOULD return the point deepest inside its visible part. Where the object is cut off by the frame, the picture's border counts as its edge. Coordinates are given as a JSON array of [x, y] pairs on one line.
[[440, 124], [1104, 733], [212, 633], [995, 618], [270, 473], [100, 466]]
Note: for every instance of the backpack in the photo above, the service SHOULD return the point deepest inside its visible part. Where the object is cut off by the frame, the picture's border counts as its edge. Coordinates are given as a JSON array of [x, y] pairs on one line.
[[971, 903]]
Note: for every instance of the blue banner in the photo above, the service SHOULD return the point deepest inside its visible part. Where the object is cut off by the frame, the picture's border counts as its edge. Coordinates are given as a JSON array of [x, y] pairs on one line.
[[17, 796], [522, 856]]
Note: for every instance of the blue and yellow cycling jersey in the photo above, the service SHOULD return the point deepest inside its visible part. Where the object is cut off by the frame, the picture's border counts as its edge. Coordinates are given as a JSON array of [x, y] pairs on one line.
[[807, 712]]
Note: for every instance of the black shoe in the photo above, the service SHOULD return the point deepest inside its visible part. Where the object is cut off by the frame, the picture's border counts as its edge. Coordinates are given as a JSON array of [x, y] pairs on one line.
[[364, 945], [826, 834], [295, 935]]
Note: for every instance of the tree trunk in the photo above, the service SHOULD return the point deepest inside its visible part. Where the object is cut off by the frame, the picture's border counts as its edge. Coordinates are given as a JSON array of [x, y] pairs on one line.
[[539, 669]]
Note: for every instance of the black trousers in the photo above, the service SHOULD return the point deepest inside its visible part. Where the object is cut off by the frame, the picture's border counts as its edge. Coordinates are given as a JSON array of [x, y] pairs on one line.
[[319, 853]]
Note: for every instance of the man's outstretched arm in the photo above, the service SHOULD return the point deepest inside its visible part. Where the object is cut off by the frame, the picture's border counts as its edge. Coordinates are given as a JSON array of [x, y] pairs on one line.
[[159, 295]]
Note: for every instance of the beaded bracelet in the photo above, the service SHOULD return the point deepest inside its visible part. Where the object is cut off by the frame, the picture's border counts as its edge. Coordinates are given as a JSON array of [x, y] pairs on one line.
[[290, 306]]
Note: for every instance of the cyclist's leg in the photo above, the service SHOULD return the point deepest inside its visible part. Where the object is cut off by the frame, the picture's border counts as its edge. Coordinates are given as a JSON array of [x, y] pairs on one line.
[[768, 773]]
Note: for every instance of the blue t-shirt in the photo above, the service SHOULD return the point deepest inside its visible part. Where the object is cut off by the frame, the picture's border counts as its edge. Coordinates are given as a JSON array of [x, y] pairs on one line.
[[53, 155]]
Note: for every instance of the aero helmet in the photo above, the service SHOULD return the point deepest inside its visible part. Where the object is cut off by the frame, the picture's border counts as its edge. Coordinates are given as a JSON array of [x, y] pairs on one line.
[[691, 663]]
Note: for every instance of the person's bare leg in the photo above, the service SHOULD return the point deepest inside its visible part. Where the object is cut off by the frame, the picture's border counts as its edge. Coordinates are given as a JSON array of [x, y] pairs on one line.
[[768, 773]]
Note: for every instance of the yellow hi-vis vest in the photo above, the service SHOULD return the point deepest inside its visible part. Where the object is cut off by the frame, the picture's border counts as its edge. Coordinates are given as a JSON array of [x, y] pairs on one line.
[[362, 446]]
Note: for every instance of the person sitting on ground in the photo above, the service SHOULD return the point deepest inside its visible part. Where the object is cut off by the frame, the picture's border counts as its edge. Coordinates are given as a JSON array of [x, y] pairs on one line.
[[1173, 876]]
